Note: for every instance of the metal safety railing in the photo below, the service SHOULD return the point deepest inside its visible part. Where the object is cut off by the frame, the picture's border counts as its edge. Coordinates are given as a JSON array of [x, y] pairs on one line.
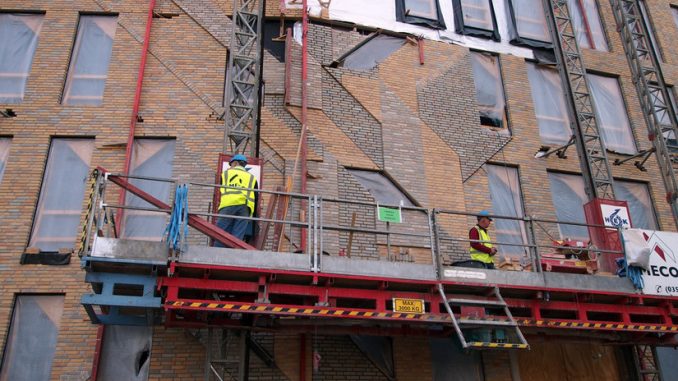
[[353, 229]]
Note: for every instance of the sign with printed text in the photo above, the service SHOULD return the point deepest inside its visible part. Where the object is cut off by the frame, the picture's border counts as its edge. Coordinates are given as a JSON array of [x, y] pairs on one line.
[[662, 276], [615, 216], [251, 168], [389, 214], [410, 306]]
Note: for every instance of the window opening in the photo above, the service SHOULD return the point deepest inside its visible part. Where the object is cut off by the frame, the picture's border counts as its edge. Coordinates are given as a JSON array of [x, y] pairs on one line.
[[19, 35], [57, 217], [674, 11], [150, 158], [420, 12], [647, 20], [489, 90], [529, 24], [587, 25], [372, 52], [90, 60], [4, 154], [506, 199], [381, 188], [611, 115], [125, 353], [639, 201], [31, 342], [568, 196], [549, 104], [475, 18]]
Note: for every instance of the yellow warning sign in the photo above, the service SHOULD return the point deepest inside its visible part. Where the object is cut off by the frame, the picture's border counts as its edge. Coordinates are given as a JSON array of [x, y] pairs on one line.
[[415, 306]]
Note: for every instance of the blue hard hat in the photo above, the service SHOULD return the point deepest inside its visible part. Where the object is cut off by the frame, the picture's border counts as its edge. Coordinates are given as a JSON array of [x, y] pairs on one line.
[[484, 213], [238, 157]]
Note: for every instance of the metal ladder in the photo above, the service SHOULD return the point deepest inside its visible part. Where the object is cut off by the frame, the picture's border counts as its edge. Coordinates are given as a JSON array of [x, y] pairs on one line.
[[487, 325], [660, 117]]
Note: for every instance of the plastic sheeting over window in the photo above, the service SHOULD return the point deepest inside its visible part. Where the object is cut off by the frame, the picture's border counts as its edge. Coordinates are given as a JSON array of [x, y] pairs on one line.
[[57, 217], [506, 201], [586, 24], [150, 158], [549, 104], [489, 89], [451, 363], [613, 123], [32, 338], [4, 155], [379, 350], [19, 35], [674, 11], [420, 12], [640, 204], [89, 61], [642, 8], [569, 196], [125, 353], [372, 52], [667, 358], [475, 18], [529, 24], [381, 188]]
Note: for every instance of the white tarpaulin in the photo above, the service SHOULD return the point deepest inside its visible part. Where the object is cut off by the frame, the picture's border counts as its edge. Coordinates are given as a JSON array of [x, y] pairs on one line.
[[661, 276]]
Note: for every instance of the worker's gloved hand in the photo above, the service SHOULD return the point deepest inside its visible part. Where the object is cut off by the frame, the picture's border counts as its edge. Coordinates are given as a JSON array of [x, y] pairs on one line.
[[494, 251]]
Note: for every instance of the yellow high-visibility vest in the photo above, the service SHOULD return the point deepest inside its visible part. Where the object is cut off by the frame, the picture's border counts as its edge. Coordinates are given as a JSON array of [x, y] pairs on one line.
[[237, 177], [478, 255]]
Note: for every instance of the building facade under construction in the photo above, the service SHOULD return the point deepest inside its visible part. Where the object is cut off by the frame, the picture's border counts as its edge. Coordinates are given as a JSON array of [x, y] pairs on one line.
[[377, 131]]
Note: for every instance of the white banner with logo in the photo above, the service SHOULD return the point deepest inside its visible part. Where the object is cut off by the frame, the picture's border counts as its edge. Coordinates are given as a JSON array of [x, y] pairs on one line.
[[615, 216], [661, 276]]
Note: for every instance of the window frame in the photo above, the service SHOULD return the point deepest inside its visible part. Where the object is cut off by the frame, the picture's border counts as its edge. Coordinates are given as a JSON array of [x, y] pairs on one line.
[[564, 118], [39, 212], [403, 16], [586, 20], [73, 59], [520, 212], [4, 140], [518, 39], [461, 27], [27, 74], [648, 188], [500, 87], [646, 18], [624, 106]]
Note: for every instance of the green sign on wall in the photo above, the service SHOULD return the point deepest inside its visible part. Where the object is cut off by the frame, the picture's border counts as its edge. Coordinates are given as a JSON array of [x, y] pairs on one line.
[[389, 214]]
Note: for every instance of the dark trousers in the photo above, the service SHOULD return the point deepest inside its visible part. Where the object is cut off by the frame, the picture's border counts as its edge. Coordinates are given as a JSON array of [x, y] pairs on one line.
[[234, 226]]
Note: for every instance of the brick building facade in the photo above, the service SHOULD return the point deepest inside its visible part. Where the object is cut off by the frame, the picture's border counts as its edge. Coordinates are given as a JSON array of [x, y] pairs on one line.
[[414, 123]]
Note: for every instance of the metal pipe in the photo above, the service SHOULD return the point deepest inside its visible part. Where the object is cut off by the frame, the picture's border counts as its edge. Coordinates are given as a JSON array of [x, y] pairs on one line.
[[304, 106], [135, 107]]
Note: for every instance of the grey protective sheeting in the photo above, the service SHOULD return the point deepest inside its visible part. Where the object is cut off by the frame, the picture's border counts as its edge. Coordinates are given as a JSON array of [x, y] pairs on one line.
[[549, 104], [125, 353], [150, 158], [379, 350], [4, 154], [489, 89], [32, 338], [506, 201], [90, 59], [613, 123], [19, 35], [450, 363], [372, 52], [381, 188], [57, 218]]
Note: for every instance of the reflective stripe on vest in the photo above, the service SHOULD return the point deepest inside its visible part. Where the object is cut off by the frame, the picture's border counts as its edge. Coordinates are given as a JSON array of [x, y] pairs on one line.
[[477, 255], [237, 178]]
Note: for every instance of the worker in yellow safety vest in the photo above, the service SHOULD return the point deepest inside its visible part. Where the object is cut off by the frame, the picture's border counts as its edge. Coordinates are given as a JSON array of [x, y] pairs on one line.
[[238, 198], [481, 249]]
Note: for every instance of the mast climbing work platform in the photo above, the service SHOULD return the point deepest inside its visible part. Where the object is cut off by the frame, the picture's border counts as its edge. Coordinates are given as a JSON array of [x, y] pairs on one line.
[[203, 286]]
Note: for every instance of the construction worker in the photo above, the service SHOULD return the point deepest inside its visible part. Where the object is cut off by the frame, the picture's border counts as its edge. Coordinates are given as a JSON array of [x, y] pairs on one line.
[[236, 202], [481, 249]]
